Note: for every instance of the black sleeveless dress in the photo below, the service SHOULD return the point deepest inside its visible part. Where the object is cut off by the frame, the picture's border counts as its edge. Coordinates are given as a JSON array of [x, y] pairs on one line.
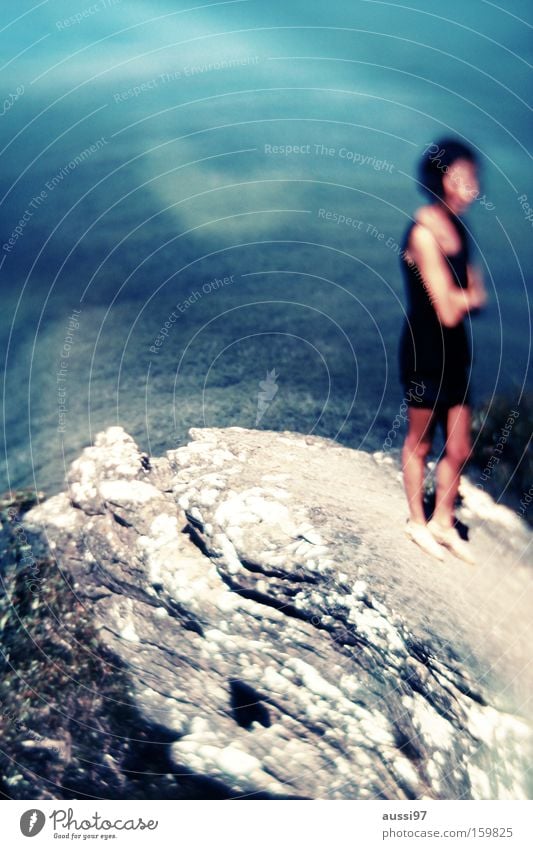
[[435, 361]]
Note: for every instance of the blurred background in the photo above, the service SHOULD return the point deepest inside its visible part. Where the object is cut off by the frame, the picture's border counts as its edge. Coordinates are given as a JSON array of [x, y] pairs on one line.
[[202, 206]]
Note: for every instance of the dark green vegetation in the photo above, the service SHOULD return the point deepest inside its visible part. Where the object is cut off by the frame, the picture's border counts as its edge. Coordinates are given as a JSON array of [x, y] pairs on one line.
[[502, 457]]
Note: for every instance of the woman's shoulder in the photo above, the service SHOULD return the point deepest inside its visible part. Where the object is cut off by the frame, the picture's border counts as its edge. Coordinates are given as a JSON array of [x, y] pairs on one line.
[[433, 226], [428, 216], [423, 217], [422, 229]]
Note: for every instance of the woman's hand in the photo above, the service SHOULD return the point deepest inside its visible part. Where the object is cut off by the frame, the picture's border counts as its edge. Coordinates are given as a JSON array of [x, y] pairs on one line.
[[477, 294]]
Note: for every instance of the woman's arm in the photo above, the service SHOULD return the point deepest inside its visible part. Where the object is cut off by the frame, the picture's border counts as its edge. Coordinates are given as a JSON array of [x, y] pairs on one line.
[[449, 302]]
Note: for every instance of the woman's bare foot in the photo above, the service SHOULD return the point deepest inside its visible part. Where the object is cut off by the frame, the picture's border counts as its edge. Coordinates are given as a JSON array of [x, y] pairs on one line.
[[418, 532], [449, 537]]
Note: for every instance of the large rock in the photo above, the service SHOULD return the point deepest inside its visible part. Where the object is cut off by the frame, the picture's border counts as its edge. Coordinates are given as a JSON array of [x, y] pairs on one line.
[[280, 628]]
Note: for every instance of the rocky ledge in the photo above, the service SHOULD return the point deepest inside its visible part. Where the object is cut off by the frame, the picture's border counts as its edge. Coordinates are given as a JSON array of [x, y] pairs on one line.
[[280, 634]]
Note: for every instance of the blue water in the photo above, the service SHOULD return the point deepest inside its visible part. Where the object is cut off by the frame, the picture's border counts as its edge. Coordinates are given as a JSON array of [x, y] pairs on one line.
[[187, 163]]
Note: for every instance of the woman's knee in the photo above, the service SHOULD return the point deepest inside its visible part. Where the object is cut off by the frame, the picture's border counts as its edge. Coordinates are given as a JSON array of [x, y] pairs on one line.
[[417, 447], [458, 451]]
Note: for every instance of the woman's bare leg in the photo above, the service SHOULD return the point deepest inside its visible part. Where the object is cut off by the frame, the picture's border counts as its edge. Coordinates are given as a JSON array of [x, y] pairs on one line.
[[417, 445], [458, 448]]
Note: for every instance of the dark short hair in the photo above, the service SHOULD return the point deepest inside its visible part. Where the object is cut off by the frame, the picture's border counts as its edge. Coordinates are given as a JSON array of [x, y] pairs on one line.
[[436, 160]]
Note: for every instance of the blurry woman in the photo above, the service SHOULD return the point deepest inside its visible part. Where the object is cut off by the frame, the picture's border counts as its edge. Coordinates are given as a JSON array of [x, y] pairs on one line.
[[435, 359]]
